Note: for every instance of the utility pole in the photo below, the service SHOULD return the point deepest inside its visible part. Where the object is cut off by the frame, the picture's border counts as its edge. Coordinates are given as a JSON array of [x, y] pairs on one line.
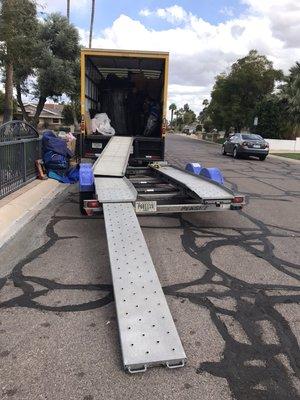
[[68, 10], [92, 23]]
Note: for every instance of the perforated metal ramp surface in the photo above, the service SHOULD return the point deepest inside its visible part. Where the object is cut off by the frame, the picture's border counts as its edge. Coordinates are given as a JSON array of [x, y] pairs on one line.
[[114, 190], [202, 188], [114, 158], [147, 332]]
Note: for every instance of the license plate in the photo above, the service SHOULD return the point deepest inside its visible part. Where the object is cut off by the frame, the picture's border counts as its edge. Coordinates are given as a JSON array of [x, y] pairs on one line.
[[96, 145], [256, 146], [145, 206]]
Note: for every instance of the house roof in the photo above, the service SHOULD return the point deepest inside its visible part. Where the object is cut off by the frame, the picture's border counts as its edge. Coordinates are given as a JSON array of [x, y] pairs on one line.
[[49, 111], [56, 108]]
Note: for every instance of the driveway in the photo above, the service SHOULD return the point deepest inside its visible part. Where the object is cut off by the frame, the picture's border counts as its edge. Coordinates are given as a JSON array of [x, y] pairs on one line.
[[231, 280]]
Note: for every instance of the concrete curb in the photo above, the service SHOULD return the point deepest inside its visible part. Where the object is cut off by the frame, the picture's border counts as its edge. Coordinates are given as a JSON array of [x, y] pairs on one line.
[[286, 159], [25, 206]]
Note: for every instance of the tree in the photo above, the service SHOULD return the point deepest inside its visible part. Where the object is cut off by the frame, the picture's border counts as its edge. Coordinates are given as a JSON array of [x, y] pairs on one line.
[[1, 102], [53, 65], [18, 27], [179, 118], [272, 116], [204, 117], [92, 23], [236, 94], [184, 116], [68, 113], [172, 107], [290, 94], [188, 115]]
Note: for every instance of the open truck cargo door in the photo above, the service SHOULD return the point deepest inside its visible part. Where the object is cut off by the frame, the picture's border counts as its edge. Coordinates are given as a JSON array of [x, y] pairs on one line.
[[130, 87]]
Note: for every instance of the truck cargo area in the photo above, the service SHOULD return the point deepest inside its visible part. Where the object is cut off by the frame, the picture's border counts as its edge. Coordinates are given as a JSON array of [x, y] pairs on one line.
[[131, 89]]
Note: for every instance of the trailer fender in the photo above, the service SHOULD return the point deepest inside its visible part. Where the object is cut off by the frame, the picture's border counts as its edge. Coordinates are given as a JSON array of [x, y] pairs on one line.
[[195, 168], [213, 173]]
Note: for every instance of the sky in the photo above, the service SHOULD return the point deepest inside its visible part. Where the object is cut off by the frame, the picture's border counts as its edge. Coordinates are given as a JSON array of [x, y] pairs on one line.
[[203, 37]]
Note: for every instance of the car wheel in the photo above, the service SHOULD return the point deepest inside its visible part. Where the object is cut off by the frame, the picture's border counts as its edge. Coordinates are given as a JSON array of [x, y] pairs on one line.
[[262, 158], [235, 153], [223, 151]]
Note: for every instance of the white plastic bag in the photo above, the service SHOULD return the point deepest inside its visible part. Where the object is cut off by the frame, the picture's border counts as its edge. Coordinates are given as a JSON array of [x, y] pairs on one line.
[[101, 124]]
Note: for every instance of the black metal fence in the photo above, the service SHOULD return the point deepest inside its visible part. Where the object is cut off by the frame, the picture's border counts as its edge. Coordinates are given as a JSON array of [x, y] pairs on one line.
[[20, 147]]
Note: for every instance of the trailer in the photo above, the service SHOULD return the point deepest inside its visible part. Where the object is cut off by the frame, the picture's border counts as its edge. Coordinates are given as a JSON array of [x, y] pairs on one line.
[[148, 335], [123, 183]]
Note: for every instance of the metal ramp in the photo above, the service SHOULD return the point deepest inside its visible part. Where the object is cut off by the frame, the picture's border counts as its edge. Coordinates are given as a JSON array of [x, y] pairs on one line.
[[197, 186], [112, 190], [147, 332], [114, 158]]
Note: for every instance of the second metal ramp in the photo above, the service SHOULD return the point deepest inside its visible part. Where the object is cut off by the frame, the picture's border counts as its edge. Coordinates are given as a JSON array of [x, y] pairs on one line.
[[147, 332], [198, 187], [114, 158]]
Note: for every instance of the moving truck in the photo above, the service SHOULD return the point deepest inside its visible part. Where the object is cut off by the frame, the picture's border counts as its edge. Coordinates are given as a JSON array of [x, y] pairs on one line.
[[131, 88]]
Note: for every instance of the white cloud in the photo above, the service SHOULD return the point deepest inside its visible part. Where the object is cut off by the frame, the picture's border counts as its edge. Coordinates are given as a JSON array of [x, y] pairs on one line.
[[283, 16], [200, 50], [173, 14], [228, 11], [145, 12]]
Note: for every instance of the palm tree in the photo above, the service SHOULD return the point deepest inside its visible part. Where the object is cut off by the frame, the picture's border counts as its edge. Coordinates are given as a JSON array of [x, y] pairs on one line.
[[92, 23], [295, 89], [172, 107], [291, 95], [68, 9]]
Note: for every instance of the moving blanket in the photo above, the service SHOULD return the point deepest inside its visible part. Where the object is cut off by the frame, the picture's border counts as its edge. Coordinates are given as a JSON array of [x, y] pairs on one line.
[[56, 157]]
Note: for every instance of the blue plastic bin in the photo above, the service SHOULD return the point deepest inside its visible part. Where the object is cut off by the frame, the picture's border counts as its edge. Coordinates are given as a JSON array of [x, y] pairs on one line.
[[86, 177]]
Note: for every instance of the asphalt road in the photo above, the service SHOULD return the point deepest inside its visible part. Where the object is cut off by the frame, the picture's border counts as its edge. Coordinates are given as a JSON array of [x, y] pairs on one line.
[[231, 280]]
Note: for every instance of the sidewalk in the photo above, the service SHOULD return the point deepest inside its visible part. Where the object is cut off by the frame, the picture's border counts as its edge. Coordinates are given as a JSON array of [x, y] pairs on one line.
[[20, 207]]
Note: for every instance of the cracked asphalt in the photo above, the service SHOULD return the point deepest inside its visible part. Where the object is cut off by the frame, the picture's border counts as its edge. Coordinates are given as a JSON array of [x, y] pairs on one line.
[[231, 280]]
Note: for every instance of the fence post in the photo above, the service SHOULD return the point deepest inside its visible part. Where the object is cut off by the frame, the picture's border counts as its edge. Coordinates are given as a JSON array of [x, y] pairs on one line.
[[24, 161]]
